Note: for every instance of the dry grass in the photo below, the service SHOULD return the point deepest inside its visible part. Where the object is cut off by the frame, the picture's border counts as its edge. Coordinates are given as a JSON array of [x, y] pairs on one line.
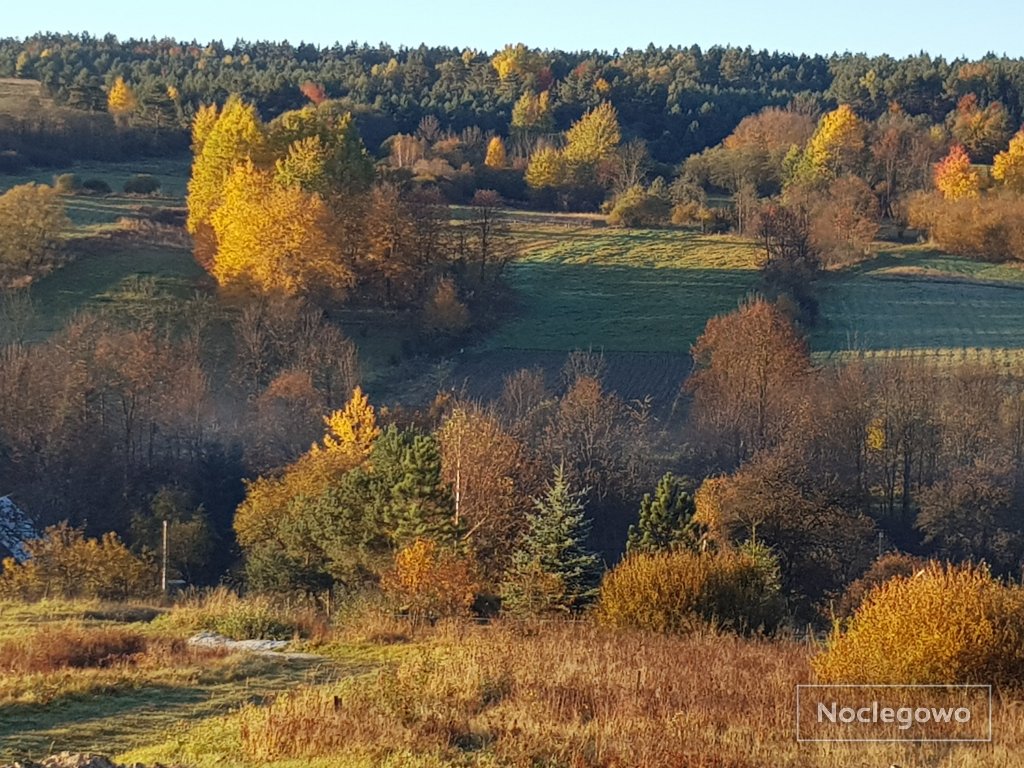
[[580, 697], [223, 611], [50, 649]]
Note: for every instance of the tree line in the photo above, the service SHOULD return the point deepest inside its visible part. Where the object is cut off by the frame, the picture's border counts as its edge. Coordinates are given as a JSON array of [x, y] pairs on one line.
[[678, 99]]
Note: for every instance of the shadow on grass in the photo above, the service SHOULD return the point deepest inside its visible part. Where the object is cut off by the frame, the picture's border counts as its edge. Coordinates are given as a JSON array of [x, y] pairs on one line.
[[115, 722]]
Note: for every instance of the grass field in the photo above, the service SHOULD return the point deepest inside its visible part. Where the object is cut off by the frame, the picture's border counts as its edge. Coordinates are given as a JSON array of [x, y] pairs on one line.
[[920, 301], [619, 290]]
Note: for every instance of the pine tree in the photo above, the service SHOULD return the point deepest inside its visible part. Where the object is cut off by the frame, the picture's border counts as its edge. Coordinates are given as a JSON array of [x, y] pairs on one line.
[[552, 570], [406, 487], [666, 520]]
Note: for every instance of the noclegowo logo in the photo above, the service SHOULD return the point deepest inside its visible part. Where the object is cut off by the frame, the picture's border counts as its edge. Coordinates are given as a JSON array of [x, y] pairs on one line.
[[894, 713]]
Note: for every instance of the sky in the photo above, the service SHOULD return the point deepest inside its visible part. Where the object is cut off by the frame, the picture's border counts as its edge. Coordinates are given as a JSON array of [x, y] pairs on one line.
[[897, 27]]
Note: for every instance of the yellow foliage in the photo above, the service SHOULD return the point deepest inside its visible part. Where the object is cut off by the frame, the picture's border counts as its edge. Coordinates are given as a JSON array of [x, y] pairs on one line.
[[202, 126], [517, 59], [708, 506], [347, 443], [235, 136], [532, 112], [65, 564], [496, 156], [680, 591], [875, 439], [445, 312], [547, 168], [352, 431], [305, 165], [121, 99], [1008, 166], [275, 238], [593, 137], [32, 222], [835, 143], [430, 581], [173, 93], [944, 624]]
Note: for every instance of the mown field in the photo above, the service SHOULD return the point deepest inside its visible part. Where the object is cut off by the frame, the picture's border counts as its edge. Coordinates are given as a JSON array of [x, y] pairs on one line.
[[920, 301]]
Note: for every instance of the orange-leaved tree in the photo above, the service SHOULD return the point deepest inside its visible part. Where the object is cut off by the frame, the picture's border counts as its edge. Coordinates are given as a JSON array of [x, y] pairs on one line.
[[954, 176]]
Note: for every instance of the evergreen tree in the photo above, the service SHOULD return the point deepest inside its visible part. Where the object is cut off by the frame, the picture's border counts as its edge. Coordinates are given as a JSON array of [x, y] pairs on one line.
[[666, 520], [407, 490], [552, 570]]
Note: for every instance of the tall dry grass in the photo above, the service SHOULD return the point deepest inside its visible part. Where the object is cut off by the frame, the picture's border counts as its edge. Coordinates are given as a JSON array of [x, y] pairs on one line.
[[580, 696]]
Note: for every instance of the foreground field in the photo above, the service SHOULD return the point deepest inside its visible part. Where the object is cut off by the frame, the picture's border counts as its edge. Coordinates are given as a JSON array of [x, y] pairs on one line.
[[920, 301], [386, 693]]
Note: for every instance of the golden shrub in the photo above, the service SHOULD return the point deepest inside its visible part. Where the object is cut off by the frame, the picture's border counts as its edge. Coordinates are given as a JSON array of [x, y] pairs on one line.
[[430, 581], [681, 591], [944, 624], [66, 564]]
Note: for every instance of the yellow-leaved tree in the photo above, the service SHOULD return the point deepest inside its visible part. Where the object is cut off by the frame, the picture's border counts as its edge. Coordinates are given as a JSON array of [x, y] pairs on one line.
[[121, 100], [835, 147], [1008, 166], [532, 112], [352, 431], [275, 238], [954, 176], [235, 136], [496, 155], [547, 168], [591, 139]]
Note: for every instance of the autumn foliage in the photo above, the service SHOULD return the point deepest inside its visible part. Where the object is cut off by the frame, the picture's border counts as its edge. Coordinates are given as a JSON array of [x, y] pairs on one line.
[[682, 591], [66, 564], [429, 581], [954, 176], [944, 623]]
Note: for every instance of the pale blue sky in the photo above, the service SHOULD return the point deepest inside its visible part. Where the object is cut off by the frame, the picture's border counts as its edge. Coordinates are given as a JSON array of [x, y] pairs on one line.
[[898, 27]]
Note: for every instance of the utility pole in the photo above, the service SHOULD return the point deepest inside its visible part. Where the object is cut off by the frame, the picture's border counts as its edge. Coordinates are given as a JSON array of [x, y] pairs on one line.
[[163, 570]]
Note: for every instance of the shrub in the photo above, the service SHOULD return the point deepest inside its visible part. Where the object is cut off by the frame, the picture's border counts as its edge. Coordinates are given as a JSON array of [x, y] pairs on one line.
[[639, 207], [946, 624], [224, 612], [67, 183], [431, 582], [989, 228], [444, 312], [682, 591], [66, 564], [97, 186], [142, 184], [886, 567]]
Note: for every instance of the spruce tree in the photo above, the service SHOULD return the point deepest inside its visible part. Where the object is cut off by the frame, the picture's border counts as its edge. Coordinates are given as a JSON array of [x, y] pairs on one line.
[[666, 520], [552, 570]]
